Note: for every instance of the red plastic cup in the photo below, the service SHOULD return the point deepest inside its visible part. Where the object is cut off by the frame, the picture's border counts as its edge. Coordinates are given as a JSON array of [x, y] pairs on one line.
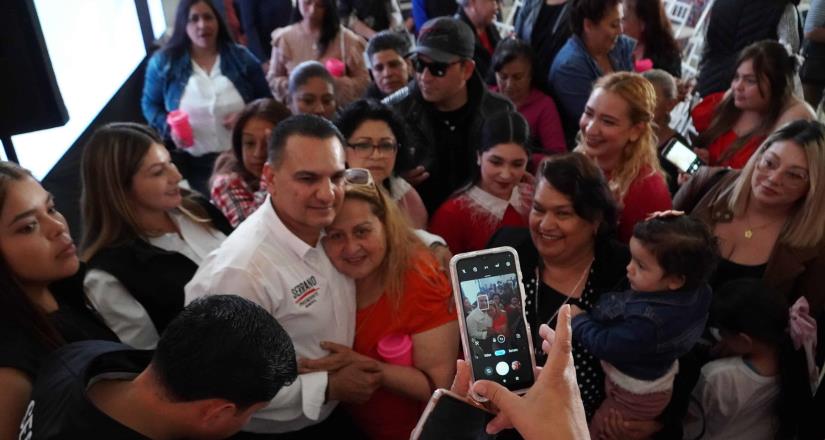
[[178, 121], [335, 67], [396, 349]]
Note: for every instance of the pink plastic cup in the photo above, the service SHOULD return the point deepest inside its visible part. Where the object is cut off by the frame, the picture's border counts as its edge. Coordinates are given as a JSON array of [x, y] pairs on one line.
[[178, 121], [396, 349], [644, 65], [335, 67]]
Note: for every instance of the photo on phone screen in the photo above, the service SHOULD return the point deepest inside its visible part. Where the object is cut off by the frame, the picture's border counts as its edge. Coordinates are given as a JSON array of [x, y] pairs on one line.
[[495, 336], [682, 156], [451, 417]]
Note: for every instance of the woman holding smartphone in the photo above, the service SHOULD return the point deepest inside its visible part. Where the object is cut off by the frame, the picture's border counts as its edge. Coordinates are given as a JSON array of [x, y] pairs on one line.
[[402, 291], [567, 254]]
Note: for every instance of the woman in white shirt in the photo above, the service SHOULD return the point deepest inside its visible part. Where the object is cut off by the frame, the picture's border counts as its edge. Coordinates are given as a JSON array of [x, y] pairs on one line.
[[144, 237], [202, 72]]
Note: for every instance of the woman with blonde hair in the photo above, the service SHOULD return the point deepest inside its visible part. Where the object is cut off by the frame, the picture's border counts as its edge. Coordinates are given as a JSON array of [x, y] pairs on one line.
[[768, 216], [617, 135], [143, 236], [402, 292]]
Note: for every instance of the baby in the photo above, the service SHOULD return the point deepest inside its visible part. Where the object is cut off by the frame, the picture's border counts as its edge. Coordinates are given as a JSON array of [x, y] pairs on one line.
[[640, 333]]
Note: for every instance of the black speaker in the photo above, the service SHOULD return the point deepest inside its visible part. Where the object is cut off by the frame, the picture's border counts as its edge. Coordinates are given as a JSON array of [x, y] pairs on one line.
[[29, 97]]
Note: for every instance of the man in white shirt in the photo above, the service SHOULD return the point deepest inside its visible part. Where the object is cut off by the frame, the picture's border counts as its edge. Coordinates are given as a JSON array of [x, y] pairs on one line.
[[275, 259]]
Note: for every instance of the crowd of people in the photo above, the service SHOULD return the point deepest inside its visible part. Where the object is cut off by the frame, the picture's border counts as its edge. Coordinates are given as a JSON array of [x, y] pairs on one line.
[[288, 208]]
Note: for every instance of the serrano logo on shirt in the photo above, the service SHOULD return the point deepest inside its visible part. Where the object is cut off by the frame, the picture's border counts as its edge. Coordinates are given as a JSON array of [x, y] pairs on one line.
[[305, 293]]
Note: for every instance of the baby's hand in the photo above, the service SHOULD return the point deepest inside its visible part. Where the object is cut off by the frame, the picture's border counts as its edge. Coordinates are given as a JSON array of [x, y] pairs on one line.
[[575, 310]]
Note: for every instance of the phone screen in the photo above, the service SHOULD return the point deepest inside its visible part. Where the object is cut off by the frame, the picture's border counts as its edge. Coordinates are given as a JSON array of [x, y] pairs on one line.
[[454, 419], [683, 157], [495, 335]]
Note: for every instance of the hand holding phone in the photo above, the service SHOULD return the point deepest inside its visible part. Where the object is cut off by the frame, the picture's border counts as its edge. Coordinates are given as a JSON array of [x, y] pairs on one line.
[[454, 417], [682, 156], [495, 335]]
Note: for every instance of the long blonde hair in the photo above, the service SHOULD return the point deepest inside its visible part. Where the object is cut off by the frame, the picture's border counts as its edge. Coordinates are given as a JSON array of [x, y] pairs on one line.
[[402, 244], [640, 97], [804, 227], [110, 160]]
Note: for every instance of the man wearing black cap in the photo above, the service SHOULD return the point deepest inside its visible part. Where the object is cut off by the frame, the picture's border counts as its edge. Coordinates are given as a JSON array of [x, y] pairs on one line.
[[444, 108]]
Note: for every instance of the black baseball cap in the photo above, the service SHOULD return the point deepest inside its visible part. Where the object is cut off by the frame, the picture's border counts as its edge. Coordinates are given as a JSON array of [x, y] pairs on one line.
[[445, 39]]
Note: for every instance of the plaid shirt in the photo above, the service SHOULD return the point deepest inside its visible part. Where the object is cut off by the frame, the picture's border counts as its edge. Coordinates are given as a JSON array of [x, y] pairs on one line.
[[233, 196]]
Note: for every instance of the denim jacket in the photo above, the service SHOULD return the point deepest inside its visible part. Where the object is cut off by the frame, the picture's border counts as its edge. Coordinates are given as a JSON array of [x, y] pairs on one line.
[[166, 77], [573, 73], [642, 333]]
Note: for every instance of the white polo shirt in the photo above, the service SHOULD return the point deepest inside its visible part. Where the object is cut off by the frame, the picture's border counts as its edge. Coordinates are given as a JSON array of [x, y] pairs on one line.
[[266, 263]]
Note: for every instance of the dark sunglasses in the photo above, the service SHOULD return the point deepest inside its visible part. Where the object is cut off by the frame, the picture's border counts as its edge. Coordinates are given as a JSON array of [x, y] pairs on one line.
[[436, 69]]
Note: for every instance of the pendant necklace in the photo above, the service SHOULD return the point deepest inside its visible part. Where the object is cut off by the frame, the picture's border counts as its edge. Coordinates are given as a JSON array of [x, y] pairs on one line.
[[567, 297]]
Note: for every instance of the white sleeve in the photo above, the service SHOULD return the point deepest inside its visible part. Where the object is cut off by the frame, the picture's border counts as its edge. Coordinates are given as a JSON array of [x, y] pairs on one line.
[[304, 396], [120, 310], [429, 238]]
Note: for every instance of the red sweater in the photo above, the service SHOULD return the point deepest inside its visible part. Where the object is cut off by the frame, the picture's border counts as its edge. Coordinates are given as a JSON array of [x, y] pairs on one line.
[[648, 193]]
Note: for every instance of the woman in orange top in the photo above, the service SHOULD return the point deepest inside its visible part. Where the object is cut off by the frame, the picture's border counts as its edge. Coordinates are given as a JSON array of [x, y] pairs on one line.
[[400, 290]]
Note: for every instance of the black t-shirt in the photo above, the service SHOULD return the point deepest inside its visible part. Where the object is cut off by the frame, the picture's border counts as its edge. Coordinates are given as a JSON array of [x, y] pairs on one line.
[[73, 320], [547, 43], [60, 409], [454, 157]]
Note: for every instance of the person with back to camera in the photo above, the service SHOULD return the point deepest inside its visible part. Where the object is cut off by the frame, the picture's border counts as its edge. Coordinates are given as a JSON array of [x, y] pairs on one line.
[[756, 388], [41, 290], [596, 48], [400, 291], [317, 35], [515, 73], [444, 108], [143, 236], [640, 333], [202, 72], [733, 123], [236, 181], [493, 198], [311, 90], [545, 26], [192, 386], [617, 134]]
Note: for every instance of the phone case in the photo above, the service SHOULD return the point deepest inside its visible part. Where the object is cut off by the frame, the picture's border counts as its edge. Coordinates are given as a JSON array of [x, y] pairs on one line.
[[465, 342], [437, 395]]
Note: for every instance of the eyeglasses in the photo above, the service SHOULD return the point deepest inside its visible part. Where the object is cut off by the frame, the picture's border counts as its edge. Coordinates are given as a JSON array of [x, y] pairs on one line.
[[436, 69], [792, 178], [358, 176], [366, 148]]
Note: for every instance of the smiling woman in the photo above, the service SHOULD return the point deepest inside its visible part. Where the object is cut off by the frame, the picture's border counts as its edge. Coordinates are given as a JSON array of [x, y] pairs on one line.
[[400, 291], [144, 236], [617, 134], [493, 197], [41, 299]]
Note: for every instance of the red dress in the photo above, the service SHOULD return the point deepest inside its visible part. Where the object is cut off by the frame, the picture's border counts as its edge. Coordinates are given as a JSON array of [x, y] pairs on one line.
[[702, 117], [426, 303], [647, 193], [468, 221]]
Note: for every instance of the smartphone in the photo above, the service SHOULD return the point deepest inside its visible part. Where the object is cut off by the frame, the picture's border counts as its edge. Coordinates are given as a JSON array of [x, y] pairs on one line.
[[449, 416], [682, 156], [489, 297]]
